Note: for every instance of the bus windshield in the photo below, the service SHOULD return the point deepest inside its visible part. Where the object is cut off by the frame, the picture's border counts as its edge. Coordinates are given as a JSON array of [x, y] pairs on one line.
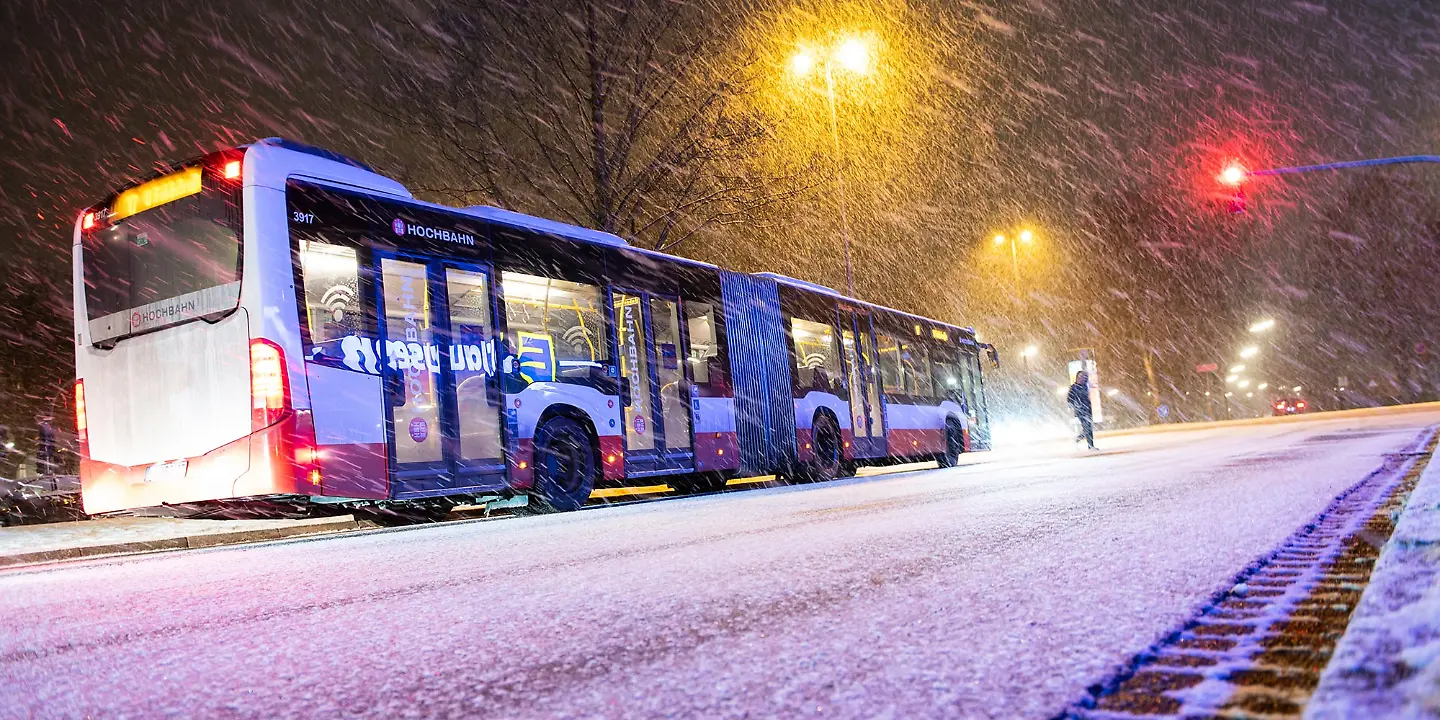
[[164, 265]]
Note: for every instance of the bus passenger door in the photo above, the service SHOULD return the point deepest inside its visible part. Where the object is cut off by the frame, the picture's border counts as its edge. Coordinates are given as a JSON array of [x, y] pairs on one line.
[[412, 379], [437, 327], [867, 417], [475, 448], [673, 387], [412, 376], [657, 409]]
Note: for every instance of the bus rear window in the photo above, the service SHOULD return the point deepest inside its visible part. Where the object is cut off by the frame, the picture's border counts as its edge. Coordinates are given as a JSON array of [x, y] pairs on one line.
[[161, 266]]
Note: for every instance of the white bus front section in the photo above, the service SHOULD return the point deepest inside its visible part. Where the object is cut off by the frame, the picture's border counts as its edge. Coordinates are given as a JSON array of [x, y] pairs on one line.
[[169, 414]]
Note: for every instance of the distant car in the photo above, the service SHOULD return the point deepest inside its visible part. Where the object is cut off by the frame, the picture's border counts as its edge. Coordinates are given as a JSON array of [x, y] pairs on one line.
[[1289, 406]]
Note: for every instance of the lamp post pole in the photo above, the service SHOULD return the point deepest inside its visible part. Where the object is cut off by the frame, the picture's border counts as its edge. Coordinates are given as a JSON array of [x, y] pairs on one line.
[[839, 177]]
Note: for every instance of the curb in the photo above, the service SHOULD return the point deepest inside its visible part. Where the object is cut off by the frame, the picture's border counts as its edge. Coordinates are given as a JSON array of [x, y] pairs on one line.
[[1378, 668], [1275, 419], [190, 542]]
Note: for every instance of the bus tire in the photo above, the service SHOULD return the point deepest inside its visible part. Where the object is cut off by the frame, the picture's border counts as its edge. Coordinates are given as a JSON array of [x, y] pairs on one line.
[[826, 441], [954, 444], [565, 466]]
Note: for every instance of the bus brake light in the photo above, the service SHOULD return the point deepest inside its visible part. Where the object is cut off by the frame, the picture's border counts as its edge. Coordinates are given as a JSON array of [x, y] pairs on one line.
[[232, 170], [82, 423], [88, 221], [269, 385]]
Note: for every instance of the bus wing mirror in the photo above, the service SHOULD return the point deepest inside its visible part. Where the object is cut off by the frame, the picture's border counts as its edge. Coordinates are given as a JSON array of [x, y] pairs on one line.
[[994, 356]]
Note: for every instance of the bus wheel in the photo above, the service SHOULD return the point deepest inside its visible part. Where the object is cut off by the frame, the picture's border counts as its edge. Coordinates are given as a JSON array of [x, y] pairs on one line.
[[828, 462], [954, 444], [565, 466]]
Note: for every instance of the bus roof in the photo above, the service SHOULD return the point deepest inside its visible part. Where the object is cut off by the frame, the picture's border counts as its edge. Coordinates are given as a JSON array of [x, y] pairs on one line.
[[816, 287], [511, 218], [552, 227]]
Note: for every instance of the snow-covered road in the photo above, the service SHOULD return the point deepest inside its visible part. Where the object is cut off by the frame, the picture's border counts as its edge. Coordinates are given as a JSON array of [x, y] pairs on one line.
[[999, 589]]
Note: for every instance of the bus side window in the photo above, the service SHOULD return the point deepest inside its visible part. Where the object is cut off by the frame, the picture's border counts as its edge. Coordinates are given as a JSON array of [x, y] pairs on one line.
[[332, 306], [816, 359], [890, 372], [704, 351], [556, 332], [915, 366]]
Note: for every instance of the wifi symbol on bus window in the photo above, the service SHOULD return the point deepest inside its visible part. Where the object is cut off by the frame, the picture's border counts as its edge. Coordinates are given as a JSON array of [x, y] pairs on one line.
[[575, 336], [338, 299]]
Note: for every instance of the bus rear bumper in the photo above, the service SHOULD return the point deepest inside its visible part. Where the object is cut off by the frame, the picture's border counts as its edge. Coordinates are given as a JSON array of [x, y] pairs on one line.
[[262, 463]]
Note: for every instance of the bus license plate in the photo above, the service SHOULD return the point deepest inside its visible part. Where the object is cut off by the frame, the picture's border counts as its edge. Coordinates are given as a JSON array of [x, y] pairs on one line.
[[166, 471]]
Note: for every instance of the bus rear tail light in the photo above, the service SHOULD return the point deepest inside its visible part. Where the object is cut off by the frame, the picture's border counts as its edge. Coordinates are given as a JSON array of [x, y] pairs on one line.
[[88, 221], [269, 384], [232, 170], [1300, 404], [82, 422]]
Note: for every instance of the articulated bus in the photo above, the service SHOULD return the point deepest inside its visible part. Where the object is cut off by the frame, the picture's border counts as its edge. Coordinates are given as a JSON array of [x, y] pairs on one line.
[[279, 324]]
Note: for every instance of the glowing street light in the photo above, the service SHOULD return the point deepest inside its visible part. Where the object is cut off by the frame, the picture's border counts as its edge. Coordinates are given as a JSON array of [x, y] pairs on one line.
[[1026, 236], [1262, 386], [1262, 325], [1244, 384], [1232, 377], [854, 55], [1029, 351], [851, 54], [1237, 368], [1249, 352], [801, 63], [1295, 389]]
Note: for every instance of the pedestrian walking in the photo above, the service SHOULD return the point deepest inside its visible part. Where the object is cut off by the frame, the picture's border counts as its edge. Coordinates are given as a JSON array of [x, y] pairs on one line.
[[1079, 400]]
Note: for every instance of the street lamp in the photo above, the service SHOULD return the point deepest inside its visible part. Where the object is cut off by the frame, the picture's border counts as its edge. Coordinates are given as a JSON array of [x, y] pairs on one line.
[[1249, 352], [853, 55], [1262, 325], [1025, 237], [1237, 368]]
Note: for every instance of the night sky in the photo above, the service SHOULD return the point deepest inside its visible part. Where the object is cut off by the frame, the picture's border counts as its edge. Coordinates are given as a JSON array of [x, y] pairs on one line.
[[1099, 122]]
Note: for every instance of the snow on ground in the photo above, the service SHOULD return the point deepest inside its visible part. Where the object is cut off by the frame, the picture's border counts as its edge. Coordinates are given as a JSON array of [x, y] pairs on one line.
[[1388, 663], [999, 589]]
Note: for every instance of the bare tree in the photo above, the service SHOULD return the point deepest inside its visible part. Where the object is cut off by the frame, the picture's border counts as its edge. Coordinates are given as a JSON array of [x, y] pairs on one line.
[[627, 116]]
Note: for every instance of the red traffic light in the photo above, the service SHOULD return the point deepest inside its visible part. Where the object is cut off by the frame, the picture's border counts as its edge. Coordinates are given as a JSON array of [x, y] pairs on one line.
[[1234, 175]]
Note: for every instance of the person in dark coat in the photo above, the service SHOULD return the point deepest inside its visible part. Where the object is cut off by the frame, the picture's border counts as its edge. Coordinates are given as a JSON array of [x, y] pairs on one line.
[[1079, 400]]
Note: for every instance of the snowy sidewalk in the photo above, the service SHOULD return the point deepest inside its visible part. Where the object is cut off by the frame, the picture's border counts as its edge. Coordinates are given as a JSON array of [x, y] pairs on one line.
[[28, 544], [1388, 663]]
